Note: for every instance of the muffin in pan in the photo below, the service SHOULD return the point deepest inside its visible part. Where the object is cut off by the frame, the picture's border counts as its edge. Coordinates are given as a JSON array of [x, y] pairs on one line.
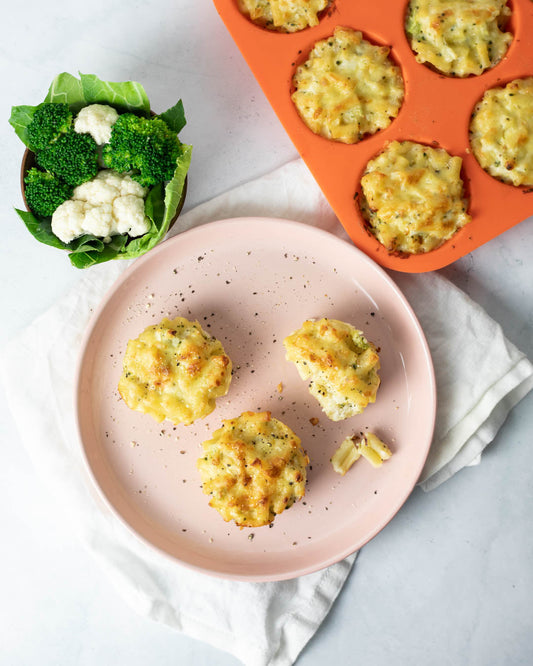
[[458, 38], [253, 468], [341, 364], [284, 15], [413, 198], [347, 88], [174, 370], [501, 132]]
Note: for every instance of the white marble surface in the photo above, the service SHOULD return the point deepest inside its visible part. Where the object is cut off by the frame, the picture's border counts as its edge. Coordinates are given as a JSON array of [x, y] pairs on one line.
[[448, 582]]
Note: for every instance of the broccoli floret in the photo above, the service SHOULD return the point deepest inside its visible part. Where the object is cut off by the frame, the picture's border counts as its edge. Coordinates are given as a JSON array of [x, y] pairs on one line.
[[145, 147], [73, 157], [49, 122], [45, 192]]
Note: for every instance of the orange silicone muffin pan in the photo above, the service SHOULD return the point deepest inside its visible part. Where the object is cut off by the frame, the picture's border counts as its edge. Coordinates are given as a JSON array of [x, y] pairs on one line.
[[436, 111]]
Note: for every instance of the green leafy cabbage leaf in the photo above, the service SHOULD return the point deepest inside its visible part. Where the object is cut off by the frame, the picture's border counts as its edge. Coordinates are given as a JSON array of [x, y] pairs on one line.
[[175, 117], [162, 202], [127, 96]]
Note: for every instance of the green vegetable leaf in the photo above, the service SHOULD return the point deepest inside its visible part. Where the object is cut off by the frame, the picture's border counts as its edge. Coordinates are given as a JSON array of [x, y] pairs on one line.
[[90, 250], [19, 120], [85, 243], [67, 89], [84, 259], [154, 205], [41, 229], [175, 117], [174, 188], [124, 96]]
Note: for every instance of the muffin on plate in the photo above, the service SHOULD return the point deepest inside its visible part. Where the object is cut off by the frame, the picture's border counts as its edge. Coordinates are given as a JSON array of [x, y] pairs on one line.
[[413, 198], [341, 364], [501, 132], [253, 468], [174, 370], [458, 38], [347, 88], [283, 15]]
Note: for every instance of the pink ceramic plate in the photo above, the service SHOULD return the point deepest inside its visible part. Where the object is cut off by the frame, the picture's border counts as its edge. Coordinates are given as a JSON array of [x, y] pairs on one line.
[[250, 282]]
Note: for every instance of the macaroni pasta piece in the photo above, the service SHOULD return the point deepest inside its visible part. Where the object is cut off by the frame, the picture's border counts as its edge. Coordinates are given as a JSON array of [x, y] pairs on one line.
[[352, 448]]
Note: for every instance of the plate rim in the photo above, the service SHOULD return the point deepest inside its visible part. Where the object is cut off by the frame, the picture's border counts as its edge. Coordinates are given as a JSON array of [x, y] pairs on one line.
[[149, 256]]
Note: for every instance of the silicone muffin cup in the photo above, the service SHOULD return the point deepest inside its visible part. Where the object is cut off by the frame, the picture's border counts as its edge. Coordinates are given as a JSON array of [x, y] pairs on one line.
[[436, 111]]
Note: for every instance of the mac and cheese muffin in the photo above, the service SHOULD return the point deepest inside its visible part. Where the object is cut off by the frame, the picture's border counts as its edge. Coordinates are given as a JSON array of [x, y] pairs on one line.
[[501, 132], [174, 370], [412, 197], [253, 468], [341, 364], [347, 88], [458, 38], [283, 15]]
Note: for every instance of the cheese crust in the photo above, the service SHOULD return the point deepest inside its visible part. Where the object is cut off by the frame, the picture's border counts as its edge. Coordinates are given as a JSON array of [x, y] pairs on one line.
[[412, 197], [458, 37], [174, 370], [253, 469], [501, 132], [283, 15], [347, 88], [341, 364]]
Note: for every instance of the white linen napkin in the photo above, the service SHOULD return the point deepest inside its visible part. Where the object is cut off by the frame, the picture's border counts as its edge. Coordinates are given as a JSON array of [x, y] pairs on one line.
[[260, 623]]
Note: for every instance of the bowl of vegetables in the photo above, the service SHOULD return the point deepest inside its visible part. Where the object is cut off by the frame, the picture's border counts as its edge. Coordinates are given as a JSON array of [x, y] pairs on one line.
[[102, 177]]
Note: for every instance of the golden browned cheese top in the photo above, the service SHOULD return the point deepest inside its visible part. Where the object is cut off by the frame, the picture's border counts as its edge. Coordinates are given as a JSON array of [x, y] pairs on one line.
[[340, 362], [413, 197], [253, 468], [459, 37], [283, 15], [174, 370], [501, 132], [347, 88]]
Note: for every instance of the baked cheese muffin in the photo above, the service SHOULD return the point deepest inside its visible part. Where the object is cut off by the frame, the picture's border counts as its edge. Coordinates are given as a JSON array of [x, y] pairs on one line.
[[501, 132], [347, 88], [283, 15], [458, 37], [174, 370], [253, 468], [412, 197], [341, 364]]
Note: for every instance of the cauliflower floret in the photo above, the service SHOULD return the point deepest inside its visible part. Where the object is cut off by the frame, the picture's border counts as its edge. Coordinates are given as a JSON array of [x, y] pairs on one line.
[[106, 186], [109, 204], [68, 220], [96, 120], [97, 191], [128, 212], [99, 220]]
